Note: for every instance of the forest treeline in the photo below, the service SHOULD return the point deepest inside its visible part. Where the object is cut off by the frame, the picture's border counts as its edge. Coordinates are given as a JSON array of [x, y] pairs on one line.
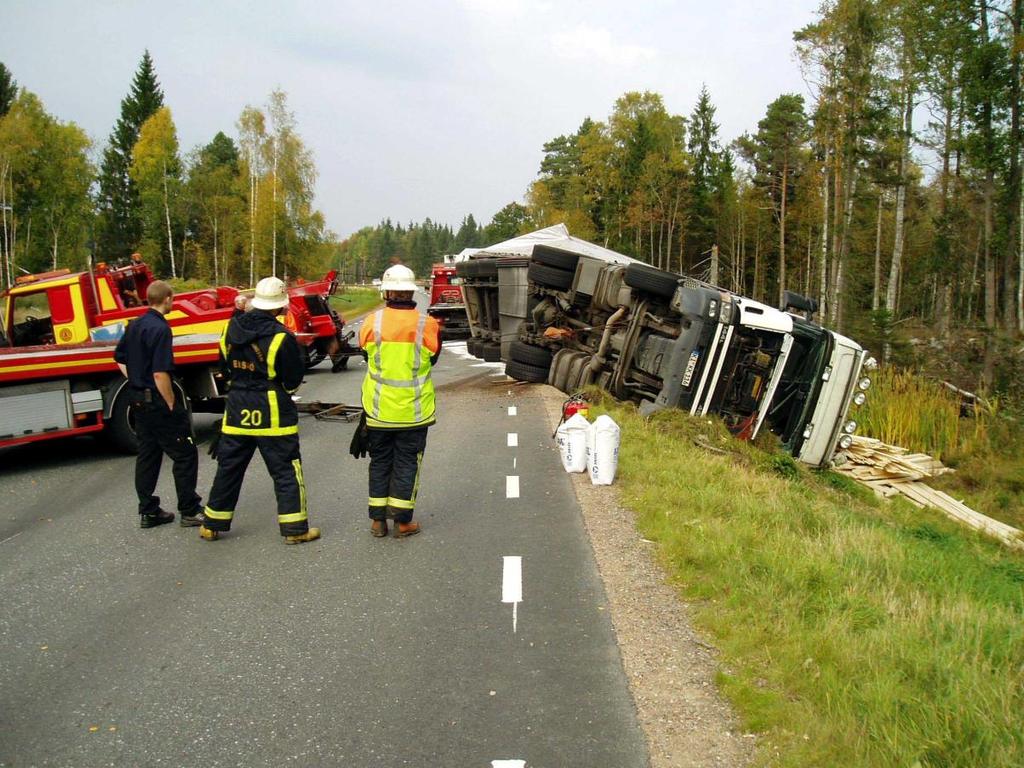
[[227, 211], [893, 192]]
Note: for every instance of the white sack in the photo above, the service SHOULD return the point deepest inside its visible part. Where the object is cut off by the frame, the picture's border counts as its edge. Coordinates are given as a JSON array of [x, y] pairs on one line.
[[603, 450], [572, 443]]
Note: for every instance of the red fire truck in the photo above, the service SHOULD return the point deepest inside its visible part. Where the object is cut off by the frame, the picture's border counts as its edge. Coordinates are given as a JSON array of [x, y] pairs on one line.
[[59, 330], [446, 302]]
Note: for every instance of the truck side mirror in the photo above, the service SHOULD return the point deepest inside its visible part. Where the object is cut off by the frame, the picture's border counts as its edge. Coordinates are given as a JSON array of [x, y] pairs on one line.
[[795, 301]]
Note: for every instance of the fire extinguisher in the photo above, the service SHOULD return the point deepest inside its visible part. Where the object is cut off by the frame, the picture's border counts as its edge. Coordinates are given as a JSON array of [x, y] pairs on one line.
[[578, 403]]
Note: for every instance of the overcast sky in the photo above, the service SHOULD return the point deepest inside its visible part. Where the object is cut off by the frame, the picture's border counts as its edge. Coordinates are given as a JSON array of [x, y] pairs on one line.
[[412, 109]]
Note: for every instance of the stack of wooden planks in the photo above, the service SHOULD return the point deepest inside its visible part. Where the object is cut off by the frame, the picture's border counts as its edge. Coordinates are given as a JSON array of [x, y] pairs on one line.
[[890, 471]]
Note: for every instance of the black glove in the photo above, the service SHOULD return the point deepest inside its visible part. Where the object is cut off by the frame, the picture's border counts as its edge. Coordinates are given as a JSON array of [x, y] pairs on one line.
[[214, 442], [360, 446]]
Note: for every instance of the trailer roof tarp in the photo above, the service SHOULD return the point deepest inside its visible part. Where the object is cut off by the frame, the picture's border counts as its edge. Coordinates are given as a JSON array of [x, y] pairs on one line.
[[557, 237]]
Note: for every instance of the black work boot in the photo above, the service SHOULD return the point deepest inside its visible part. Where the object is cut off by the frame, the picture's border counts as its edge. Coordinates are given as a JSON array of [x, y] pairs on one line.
[[159, 518]]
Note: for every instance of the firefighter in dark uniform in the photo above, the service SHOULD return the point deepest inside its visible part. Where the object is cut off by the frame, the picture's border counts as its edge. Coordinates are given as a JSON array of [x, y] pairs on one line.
[[401, 345], [145, 356], [265, 367]]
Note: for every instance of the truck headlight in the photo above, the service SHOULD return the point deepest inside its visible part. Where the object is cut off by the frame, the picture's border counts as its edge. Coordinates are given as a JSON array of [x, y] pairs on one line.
[[850, 427], [864, 384], [845, 441], [712, 308], [860, 398]]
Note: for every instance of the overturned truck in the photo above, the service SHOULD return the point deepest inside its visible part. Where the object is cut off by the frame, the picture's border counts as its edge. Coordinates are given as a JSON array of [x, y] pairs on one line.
[[573, 314]]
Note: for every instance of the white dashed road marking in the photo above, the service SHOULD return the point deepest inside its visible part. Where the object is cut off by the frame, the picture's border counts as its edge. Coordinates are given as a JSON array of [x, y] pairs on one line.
[[513, 439], [512, 584], [511, 486], [508, 764], [512, 410]]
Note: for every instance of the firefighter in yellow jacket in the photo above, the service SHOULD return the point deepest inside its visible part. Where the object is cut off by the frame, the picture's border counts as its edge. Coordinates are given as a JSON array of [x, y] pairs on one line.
[[401, 345], [264, 367]]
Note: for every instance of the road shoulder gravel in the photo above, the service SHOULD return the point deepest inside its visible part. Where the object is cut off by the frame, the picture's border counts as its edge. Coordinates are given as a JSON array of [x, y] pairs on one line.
[[671, 669]]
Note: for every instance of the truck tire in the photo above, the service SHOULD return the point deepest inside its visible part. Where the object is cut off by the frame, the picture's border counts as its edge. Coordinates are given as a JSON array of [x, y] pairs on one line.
[[120, 431], [524, 372], [491, 352], [555, 257], [652, 280], [486, 267], [474, 346], [530, 354], [550, 277]]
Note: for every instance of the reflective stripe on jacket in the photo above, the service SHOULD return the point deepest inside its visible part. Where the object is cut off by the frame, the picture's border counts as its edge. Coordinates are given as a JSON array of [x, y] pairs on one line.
[[398, 392], [259, 402]]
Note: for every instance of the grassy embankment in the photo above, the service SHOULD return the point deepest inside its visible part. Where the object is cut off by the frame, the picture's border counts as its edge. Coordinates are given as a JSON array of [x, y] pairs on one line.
[[853, 632], [352, 301]]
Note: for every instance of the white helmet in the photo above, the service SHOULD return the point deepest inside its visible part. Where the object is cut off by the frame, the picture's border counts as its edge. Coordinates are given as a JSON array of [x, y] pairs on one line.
[[398, 278], [270, 294]]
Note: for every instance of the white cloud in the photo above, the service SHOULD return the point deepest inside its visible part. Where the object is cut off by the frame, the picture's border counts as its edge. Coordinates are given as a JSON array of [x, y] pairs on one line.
[[594, 43]]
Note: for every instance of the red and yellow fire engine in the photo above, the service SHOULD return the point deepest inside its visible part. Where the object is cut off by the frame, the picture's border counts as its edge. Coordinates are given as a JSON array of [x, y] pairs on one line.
[[59, 330]]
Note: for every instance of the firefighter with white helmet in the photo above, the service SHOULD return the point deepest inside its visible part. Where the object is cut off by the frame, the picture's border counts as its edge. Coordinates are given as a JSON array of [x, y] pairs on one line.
[[264, 366], [402, 345]]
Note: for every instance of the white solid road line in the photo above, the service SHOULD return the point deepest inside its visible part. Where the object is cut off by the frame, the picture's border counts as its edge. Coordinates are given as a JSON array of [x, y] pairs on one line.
[[512, 410], [511, 486], [513, 439], [512, 585], [508, 764]]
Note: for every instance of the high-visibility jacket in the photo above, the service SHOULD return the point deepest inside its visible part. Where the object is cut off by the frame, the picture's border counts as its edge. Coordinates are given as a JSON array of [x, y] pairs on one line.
[[264, 366], [398, 392]]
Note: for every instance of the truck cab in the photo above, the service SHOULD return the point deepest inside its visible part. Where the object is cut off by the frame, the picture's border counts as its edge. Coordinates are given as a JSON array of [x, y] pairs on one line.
[[52, 308]]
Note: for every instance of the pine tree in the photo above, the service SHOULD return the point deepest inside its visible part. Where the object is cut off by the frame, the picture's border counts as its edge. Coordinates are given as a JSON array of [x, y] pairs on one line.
[[705, 154], [8, 89], [120, 222]]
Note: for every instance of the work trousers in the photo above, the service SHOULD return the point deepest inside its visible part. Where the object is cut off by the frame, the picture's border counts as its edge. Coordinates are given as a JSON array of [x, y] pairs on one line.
[[159, 431], [284, 463], [395, 459]]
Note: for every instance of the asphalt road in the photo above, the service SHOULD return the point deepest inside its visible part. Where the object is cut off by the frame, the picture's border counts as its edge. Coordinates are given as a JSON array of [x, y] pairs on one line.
[[130, 647]]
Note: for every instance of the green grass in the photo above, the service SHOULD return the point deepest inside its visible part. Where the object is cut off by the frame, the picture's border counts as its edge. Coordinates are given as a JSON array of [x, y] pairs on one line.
[[853, 632], [354, 301]]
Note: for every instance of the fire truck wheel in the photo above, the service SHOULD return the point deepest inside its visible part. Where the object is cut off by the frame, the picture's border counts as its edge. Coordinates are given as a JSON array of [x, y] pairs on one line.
[[654, 281], [475, 346], [524, 372], [530, 354], [550, 277], [491, 352], [555, 257], [486, 267], [120, 431]]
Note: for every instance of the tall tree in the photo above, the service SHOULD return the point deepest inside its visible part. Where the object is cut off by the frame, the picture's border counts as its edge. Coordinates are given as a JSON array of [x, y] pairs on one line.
[[506, 224], [777, 154], [213, 190], [8, 89], [468, 235], [120, 221], [156, 172], [705, 155], [45, 175]]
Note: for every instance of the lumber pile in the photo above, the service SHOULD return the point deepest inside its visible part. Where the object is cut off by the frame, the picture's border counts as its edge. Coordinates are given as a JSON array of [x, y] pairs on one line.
[[890, 471]]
